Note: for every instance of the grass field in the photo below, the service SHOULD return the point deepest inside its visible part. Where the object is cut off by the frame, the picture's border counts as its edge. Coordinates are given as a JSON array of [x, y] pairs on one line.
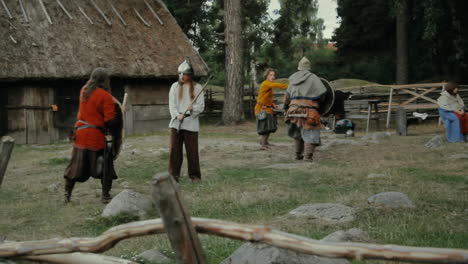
[[236, 188]]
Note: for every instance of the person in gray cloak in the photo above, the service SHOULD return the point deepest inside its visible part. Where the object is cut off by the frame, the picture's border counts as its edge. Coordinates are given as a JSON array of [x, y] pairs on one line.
[[301, 102]]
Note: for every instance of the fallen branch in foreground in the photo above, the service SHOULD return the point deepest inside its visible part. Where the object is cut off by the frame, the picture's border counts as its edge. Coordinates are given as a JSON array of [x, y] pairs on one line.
[[245, 232], [78, 258]]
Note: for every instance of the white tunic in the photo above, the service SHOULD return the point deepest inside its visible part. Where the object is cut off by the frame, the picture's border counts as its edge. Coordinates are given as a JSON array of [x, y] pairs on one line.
[[177, 107], [450, 102]]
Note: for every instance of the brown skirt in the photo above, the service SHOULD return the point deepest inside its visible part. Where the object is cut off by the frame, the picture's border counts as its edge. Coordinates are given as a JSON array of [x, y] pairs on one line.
[[83, 165]]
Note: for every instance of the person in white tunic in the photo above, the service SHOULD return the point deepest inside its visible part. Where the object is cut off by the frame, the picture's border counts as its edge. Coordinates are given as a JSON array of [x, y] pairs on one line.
[[184, 128]]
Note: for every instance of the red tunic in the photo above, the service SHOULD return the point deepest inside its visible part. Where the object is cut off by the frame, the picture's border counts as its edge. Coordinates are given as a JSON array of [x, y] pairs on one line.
[[97, 109]]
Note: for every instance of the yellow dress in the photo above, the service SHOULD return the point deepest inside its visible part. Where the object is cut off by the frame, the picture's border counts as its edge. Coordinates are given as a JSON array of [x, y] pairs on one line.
[[265, 96]]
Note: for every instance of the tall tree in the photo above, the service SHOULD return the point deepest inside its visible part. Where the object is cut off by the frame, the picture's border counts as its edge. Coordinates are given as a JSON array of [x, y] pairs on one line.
[[402, 65], [233, 89]]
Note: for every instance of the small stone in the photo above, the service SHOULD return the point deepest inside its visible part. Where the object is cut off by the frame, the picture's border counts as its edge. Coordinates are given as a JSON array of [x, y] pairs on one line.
[[263, 188], [54, 187], [376, 175], [125, 185], [391, 200], [154, 256], [329, 212]]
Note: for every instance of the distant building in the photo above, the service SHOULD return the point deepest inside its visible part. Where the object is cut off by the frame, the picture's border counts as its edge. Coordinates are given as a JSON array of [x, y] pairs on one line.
[[50, 47]]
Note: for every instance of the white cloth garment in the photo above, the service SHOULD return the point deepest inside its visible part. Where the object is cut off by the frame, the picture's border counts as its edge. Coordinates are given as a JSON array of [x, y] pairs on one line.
[[176, 107]]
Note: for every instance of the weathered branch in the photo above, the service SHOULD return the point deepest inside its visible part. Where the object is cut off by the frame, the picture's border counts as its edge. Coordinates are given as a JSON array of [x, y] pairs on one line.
[[78, 258], [6, 148], [241, 232], [177, 222]]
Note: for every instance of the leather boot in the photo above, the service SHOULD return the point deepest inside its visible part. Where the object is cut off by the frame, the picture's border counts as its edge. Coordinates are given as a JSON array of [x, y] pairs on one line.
[[69, 185], [106, 187], [299, 147], [309, 152]]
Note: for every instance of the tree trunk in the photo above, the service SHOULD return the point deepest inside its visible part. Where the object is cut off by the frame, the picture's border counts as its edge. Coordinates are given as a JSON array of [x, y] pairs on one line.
[[233, 89], [402, 42]]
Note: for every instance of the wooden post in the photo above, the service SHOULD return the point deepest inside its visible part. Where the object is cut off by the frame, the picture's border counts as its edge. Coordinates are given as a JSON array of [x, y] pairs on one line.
[[177, 222], [389, 113], [5, 152], [401, 122]]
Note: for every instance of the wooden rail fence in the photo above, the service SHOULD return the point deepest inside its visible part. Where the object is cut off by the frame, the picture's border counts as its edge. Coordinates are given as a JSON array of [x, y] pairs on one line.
[[181, 231]]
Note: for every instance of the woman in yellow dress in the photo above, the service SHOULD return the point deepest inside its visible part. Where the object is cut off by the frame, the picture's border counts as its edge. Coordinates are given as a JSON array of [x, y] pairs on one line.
[[266, 121]]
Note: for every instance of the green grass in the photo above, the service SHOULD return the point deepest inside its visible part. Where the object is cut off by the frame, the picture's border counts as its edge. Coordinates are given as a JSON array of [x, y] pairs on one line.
[[236, 188]]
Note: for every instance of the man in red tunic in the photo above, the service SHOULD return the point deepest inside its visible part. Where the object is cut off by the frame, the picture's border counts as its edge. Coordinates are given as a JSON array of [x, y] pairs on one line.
[[96, 114]]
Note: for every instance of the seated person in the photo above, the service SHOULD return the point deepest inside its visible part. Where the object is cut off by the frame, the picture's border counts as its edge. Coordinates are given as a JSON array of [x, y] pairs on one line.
[[452, 112]]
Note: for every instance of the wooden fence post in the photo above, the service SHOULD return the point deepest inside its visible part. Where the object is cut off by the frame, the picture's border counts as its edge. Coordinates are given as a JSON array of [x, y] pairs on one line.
[[177, 222], [5, 152]]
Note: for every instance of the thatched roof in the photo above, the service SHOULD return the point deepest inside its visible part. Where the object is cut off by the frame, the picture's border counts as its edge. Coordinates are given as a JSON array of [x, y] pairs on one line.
[[69, 46]]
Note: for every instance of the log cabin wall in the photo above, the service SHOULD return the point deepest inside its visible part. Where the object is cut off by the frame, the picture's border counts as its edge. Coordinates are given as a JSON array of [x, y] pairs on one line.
[[28, 116], [148, 106]]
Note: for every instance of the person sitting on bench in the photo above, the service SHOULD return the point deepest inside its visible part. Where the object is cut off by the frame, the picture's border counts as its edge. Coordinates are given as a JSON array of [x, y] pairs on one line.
[[452, 113]]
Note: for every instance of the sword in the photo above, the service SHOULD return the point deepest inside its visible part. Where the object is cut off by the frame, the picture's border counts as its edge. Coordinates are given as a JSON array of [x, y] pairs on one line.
[[193, 101]]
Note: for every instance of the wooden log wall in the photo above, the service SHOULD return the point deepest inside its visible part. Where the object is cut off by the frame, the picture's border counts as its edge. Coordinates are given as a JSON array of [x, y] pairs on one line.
[[148, 106]]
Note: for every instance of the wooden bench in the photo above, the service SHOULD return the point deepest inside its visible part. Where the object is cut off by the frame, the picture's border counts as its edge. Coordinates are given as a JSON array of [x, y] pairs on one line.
[[362, 109]]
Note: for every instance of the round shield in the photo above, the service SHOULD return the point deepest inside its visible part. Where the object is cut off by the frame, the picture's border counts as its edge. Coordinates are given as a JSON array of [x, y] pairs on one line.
[[327, 102]]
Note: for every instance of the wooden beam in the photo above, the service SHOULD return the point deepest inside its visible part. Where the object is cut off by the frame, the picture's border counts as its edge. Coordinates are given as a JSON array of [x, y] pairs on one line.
[[44, 9], [177, 222], [252, 233], [154, 12], [389, 113], [426, 91], [420, 96], [5, 153], [102, 13], [64, 9], [6, 9]]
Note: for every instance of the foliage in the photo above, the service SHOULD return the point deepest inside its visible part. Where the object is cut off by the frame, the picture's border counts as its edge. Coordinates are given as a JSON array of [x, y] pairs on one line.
[[437, 42]]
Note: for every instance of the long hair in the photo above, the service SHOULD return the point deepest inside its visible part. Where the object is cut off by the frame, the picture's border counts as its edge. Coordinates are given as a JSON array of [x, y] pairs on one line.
[[99, 78], [450, 87], [267, 72], [191, 89]]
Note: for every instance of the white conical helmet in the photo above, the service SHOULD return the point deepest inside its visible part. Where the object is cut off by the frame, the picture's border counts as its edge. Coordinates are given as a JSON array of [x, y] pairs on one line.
[[185, 68]]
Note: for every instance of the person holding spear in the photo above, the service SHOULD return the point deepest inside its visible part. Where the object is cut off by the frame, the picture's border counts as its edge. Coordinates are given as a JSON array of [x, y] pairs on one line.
[[186, 103]]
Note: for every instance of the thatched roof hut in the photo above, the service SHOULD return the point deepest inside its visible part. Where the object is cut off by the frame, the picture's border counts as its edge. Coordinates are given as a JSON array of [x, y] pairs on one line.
[[34, 47], [49, 48]]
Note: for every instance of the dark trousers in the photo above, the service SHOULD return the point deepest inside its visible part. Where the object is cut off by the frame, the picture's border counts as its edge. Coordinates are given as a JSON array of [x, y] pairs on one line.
[[190, 140]]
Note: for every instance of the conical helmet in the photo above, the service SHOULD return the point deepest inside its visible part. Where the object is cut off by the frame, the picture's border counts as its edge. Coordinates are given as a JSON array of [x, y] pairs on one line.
[[185, 68]]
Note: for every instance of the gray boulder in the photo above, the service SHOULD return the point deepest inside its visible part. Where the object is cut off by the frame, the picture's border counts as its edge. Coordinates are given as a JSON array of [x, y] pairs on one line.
[[391, 200], [154, 257], [329, 212], [436, 142], [250, 253], [130, 202], [351, 235]]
